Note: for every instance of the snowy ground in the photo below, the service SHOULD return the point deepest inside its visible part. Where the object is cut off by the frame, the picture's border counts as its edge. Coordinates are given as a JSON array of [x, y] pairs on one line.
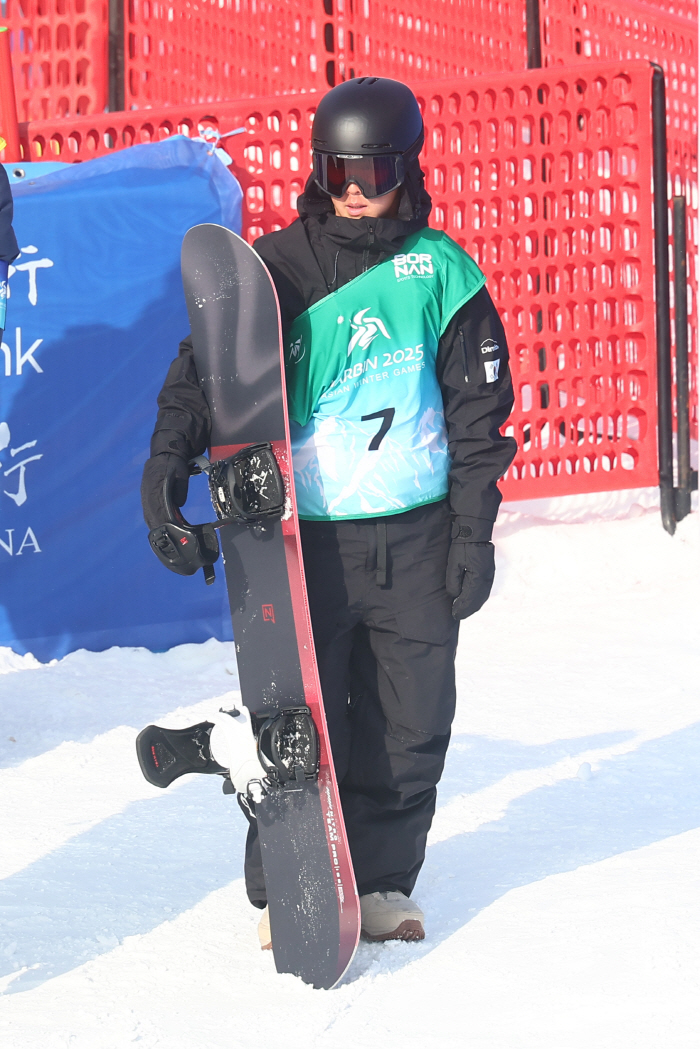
[[561, 886]]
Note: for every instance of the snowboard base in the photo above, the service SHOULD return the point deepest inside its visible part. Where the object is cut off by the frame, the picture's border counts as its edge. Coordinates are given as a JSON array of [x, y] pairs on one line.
[[238, 353]]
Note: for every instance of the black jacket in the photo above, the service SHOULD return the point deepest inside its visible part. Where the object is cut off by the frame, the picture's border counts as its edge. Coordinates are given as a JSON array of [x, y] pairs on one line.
[[8, 242], [319, 253]]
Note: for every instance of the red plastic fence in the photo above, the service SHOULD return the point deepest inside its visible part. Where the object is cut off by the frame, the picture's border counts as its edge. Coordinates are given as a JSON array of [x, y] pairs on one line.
[[9, 129], [421, 40], [665, 33], [221, 49], [574, 31], [554, 201], [682, 8], [59, 56], [545, 177]]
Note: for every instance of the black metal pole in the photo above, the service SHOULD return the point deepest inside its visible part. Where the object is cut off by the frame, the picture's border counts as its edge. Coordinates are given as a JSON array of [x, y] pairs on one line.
[[534, 41], [115, 87], [680, 296], [663, 304]]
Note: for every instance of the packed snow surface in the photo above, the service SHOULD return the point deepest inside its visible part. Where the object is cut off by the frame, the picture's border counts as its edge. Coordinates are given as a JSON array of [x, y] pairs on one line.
[[561, 886]]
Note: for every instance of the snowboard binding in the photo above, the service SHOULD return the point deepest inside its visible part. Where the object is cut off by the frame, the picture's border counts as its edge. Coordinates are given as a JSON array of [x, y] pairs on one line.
[[165, 754], [247, 487], [288, 748], [285, 754]]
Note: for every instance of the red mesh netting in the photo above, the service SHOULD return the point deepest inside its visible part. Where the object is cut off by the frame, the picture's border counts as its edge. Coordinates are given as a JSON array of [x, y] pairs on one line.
[[59, 56], [545, 178], [210, 50], [665, 33]]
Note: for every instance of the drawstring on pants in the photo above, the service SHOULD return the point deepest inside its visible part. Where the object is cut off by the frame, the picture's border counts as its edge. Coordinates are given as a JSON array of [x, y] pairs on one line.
[[381, 553]]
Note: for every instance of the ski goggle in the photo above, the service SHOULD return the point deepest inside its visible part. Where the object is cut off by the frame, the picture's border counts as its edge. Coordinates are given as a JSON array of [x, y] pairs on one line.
[[374, 175]]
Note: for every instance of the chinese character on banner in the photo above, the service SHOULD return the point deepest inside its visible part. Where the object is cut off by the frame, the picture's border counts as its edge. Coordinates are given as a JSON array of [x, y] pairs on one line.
[[20, 468], [31, 268]]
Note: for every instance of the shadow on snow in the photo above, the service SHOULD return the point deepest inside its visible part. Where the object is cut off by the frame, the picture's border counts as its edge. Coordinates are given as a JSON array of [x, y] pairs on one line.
[[153, 861], [476, 762], [123, 877], [632, 801]]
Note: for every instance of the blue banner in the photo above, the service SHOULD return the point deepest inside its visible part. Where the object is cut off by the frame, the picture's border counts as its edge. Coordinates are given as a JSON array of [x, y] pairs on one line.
[[94, 317]]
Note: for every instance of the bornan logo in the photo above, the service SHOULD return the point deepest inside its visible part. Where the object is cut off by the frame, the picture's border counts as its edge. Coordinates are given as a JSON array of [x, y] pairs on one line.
[[413, 265], [366, 330], [296, 351]]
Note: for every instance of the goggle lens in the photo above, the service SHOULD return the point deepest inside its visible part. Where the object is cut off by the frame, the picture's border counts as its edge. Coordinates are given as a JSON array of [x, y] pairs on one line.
[[374, 175]]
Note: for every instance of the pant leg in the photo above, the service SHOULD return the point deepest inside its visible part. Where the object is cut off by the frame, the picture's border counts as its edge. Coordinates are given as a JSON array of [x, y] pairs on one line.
[[389, 793], [402, 705], [252, 864], [389, 649]]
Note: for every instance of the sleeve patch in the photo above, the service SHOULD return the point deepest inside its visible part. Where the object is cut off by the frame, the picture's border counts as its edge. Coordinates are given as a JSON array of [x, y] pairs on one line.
[[491, 369]]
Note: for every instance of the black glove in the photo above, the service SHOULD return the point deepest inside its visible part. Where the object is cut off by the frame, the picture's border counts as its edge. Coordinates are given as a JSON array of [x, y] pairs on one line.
[[470, 571], [159, 470]]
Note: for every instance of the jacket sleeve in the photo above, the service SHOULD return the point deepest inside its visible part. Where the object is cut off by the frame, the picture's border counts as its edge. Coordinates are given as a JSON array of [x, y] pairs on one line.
[[473, 372], [8, 242], [183, 426]]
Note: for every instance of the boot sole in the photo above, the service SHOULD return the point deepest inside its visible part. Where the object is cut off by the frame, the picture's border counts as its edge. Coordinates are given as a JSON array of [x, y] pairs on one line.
[[408, 930]]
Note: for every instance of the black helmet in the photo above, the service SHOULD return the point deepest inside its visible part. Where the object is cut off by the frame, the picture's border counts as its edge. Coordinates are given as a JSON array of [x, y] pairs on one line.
[[366, 131]]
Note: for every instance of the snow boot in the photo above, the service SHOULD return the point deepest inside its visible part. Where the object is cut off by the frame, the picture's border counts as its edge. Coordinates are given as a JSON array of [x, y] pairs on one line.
[[264, 934], [391, 916]]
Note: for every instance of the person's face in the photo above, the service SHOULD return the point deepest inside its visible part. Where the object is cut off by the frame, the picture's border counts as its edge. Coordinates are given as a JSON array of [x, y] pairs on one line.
[[354, 205]]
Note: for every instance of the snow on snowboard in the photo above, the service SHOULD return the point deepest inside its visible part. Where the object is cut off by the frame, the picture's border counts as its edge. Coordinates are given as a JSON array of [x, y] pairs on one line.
[[290, 783]]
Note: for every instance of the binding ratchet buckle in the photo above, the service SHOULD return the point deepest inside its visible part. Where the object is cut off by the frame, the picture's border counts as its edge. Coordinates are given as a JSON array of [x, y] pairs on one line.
[[247, 487], [288, 748]]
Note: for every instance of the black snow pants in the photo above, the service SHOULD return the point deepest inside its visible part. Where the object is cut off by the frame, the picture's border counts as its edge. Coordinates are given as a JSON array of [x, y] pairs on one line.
[[385, 642]]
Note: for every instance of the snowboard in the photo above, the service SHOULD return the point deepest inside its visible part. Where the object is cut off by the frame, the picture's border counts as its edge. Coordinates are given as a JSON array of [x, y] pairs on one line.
[[237, 340]]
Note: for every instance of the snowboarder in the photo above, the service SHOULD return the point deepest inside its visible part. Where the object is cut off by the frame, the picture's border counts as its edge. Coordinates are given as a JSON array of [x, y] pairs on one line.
[[397, 382]]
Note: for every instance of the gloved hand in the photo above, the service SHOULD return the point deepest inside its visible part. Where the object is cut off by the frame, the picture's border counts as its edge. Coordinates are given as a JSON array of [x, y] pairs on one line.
[[159, 469], [470, 571]]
